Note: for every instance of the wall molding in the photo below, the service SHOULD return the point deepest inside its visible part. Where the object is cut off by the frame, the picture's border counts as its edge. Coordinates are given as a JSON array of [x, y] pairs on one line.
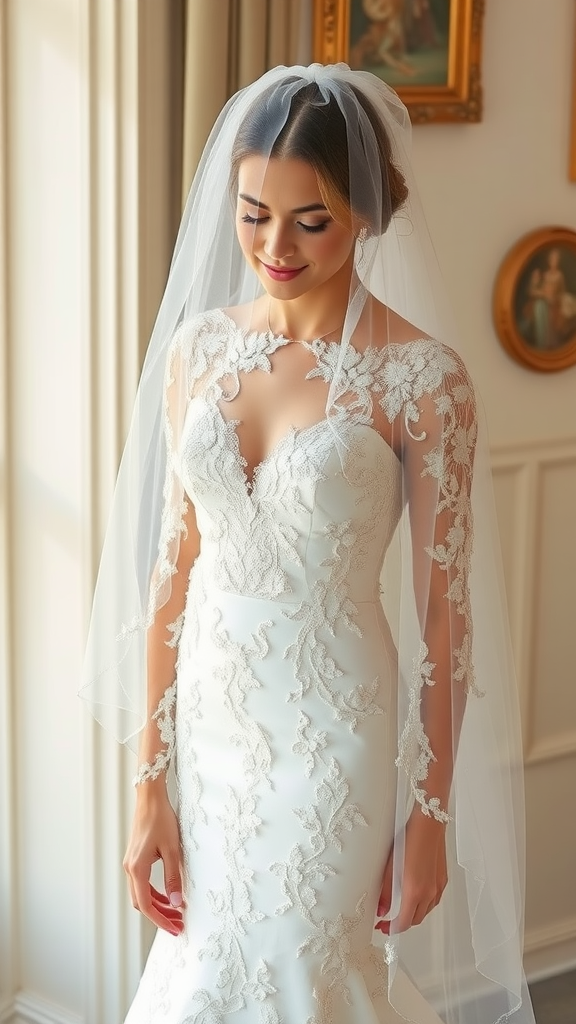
[[8, 859], [526, 463], [28, 1008]]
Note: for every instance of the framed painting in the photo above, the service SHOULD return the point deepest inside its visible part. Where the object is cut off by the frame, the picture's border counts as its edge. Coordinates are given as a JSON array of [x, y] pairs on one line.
[[535, 300], [429, 51], [572, 163]]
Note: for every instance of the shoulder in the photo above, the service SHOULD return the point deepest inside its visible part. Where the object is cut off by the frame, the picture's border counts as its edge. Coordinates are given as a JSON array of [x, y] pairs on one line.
[[198, 342], [249, 316], [426, 383], [211, 322]]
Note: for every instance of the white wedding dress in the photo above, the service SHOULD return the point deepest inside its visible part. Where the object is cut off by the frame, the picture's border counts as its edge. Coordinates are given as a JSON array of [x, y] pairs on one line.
[[286, 714]]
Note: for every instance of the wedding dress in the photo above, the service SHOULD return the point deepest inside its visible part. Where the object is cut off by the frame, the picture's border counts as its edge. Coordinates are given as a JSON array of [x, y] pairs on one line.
[[344, 638], [286, 717]]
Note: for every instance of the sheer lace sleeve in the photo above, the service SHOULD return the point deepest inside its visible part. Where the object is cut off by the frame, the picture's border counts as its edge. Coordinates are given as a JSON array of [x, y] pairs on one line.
[[177, 547], [438, 443]]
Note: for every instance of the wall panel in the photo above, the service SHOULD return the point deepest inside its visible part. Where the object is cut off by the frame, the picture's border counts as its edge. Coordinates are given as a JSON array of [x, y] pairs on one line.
[[536, 495]]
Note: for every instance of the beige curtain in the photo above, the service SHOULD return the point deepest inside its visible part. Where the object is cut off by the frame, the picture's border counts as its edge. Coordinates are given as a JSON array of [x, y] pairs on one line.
[[228, 44]]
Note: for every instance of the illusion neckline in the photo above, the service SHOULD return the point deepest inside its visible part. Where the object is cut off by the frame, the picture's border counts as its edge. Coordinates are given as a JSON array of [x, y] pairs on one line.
[[313, 344], [274, 336]]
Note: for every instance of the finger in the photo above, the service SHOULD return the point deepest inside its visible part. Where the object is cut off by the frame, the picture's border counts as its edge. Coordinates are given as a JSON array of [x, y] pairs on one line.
[[145, 902], [159, 896], [164, 907], [172, 876], [385, 898], [132, 892], [164, 917], [419, 914]]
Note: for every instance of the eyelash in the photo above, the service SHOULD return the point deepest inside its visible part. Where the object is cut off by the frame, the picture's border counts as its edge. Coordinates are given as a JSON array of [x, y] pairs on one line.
[[312, 229]]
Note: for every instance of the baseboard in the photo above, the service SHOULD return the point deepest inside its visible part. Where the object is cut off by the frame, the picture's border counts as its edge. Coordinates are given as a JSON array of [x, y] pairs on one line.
[[551, 950], [29, 1008]]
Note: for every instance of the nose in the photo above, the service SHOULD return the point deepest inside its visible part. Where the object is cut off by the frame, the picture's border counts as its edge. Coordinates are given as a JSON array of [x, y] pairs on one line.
[[278, 244]]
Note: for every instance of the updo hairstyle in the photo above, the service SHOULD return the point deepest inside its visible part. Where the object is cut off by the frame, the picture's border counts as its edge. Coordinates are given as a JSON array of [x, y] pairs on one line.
[[315, 132]]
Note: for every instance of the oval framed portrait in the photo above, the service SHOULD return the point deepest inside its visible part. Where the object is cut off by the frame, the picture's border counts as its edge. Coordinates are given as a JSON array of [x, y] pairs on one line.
[[534, 301]]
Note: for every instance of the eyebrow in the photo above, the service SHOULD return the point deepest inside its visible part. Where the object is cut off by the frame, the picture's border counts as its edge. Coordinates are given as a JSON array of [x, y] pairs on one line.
[[300, 209]]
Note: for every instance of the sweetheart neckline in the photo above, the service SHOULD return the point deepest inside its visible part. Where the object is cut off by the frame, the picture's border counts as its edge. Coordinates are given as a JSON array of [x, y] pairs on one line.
[[250, 480]]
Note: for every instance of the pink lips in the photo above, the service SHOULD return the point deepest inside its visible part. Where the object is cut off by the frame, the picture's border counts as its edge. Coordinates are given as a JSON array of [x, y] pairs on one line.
[[282, 273]]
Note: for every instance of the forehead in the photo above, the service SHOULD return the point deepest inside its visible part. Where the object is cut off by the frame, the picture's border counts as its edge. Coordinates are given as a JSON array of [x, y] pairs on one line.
[[277, 181]]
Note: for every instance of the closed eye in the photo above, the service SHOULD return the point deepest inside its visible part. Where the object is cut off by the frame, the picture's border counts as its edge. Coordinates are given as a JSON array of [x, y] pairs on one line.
[[253, 220], [312, 228]]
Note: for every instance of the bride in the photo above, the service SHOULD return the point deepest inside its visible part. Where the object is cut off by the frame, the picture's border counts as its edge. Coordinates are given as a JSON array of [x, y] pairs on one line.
[[296, 611]]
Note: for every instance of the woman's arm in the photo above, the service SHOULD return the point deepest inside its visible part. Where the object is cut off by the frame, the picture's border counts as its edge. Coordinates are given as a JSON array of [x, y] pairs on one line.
[[438, 454], [157, 738], [155, 835]]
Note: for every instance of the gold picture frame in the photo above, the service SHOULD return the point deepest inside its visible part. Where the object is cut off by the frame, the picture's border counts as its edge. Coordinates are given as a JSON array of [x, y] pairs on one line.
[[534, 302], [432, 61], [572, 160]]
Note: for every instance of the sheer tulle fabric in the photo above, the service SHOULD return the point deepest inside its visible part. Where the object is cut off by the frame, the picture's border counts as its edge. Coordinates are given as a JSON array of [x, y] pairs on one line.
[[466, 956]]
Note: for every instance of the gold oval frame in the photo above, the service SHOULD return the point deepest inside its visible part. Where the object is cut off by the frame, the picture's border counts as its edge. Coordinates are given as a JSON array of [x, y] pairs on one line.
[[530, 249]]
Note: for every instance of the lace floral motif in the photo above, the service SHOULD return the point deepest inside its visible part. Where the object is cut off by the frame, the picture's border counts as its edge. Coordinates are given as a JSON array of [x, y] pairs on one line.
[[413, 737], [232, 906], [164, 718], [328, 607], [413, 371], [324, 821], [332, 941], [190, 806], [259, 541], [309, 744]]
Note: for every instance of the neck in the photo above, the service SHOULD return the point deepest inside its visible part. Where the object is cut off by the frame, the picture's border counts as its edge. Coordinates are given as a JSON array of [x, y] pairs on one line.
[[319, 312]]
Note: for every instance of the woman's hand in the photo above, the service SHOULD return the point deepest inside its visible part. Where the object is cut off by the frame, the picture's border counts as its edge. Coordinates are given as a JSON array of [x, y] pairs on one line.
[[425, 874], [155, 836]]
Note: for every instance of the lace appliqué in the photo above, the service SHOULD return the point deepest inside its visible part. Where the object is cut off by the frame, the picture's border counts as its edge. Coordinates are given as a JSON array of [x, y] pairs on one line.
[[190, 809], [164, 717], [400, 375], [415, 752], [329, 606], [324, 821], [332, 941], [232, 906], [415, 370]]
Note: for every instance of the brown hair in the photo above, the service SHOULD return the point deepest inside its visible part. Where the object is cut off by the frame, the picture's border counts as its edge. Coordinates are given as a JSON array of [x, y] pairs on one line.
[[315, 131]]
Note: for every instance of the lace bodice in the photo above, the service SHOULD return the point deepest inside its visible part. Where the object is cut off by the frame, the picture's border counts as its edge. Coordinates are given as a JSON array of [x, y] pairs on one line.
[[310, 527], [268, 536]]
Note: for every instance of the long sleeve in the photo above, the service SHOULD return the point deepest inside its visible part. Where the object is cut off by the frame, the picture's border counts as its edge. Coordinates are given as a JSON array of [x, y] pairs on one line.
[[177, 549], [438, 442]]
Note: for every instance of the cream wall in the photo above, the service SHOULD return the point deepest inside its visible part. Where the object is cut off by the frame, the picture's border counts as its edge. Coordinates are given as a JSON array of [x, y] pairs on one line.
[[85, 103], [483, 186]]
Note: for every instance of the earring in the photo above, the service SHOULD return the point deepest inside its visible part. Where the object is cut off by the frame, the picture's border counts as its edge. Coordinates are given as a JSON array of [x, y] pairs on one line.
[[361, 239]]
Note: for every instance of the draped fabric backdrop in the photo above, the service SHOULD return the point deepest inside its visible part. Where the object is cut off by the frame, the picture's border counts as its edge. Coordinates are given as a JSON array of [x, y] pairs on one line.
[[228, 44]]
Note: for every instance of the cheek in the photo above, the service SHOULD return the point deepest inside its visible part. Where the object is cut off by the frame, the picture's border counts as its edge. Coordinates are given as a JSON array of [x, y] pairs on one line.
[[245, 236], [333, 249]]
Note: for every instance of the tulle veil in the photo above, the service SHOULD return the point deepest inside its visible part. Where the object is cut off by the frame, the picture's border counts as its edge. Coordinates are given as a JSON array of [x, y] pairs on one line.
[[466, 957]]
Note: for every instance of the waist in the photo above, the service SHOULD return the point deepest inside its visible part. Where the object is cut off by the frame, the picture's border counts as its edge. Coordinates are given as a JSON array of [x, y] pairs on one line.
[[286, 584]]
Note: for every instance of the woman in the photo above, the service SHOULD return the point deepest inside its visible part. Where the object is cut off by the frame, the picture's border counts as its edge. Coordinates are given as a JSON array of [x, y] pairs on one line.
[[296, 413]]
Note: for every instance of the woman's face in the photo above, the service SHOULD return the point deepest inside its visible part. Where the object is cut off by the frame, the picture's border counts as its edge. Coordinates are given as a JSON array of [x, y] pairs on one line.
[[285, 231]]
